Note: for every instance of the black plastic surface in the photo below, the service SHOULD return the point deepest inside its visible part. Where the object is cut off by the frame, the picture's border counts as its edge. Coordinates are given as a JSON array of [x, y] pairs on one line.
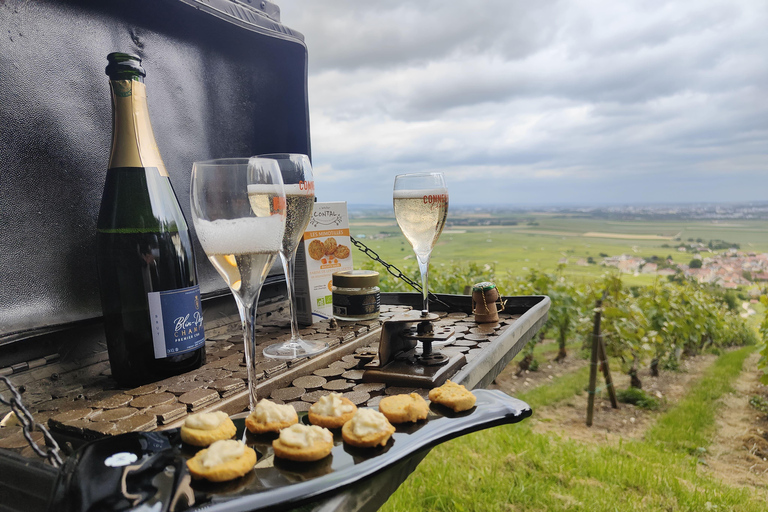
[[222, 81], [274, 483]]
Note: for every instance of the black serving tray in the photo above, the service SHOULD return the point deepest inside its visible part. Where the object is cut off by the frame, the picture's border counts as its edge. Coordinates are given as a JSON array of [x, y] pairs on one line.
[[87, 483]]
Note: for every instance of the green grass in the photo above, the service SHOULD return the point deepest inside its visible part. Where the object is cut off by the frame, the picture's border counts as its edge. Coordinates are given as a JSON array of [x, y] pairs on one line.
[[514, 249], [637, 397], [561, 388], [513, 468], [690, 424]]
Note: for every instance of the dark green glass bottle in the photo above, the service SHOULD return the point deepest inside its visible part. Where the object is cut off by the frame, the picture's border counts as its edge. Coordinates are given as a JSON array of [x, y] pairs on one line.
[[147, 275]]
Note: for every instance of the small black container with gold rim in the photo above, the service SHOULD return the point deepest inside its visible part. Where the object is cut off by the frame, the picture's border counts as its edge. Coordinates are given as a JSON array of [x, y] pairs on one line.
[[356, 295]]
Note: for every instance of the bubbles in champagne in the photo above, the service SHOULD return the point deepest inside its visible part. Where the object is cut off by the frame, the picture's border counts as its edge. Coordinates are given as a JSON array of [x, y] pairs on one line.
[[299, 205], [300, 189], [241, 236], [421, 215], [432, 195], [265, 199]]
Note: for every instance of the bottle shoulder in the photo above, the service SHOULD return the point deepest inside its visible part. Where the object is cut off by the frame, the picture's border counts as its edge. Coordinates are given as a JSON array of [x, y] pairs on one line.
[[139, 198]]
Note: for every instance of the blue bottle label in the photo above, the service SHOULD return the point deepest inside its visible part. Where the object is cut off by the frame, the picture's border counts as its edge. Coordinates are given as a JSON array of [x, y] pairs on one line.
[[177, 322]]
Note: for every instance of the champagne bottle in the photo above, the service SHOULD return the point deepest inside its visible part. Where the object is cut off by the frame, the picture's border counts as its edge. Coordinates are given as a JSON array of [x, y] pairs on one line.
[[149, 292]]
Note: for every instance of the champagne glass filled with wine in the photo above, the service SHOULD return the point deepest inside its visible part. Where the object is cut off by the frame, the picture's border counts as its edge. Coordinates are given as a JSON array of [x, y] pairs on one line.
[[238, 209], [421, 206], [296, 171]]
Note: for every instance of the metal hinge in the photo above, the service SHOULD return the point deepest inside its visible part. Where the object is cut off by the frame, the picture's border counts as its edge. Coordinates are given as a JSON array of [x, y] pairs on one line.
[[28, 365]]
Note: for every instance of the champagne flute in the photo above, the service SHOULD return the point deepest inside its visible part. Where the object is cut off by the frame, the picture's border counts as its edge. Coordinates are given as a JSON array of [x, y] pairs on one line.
[[296, 171], [421, 207], [238, 209]]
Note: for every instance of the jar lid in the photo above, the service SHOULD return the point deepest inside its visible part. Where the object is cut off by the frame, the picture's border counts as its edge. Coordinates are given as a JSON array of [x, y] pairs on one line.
[[356, 278], [483, 287]]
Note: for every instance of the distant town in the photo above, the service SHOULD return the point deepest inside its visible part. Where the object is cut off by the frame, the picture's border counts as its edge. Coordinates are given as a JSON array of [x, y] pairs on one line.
[[719, 211], [730, 269], [668, 212]]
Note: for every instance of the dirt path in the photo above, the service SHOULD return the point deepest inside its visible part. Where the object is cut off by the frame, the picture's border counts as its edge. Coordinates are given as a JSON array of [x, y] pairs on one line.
[[739, 450], [513, 385], [627, 422], [738, 454]]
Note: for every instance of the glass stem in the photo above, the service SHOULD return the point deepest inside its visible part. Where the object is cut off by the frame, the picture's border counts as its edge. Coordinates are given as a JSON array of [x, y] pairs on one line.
[[248, 319], [424, 269], [289, 265]]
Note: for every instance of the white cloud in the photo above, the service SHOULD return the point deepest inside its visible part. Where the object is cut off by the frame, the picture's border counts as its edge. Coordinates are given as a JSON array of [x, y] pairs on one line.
[[557, 101]]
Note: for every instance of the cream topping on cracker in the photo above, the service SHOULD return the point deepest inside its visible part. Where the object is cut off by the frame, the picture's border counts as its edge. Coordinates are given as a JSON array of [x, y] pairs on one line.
[[368, 421], [304, 436], [270, 412], [221, 452], [331, 405], [206, 420]]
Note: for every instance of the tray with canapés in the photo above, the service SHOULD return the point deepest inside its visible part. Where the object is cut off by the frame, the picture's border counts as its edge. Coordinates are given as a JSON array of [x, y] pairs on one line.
[[139, 464]]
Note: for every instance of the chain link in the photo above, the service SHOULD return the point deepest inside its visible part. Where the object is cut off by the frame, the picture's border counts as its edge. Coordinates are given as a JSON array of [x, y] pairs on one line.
[[396, 272], [52, 452]]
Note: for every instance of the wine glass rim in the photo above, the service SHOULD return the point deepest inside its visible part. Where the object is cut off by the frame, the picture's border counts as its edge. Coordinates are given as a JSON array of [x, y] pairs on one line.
[[281, 155], [226, 161], [420, 174]]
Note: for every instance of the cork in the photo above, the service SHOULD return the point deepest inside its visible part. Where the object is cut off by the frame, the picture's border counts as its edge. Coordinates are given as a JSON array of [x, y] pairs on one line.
[[199, 398], [309, 382], [300, 406], [329, 372], [180, 388], [287, 394], [114, 401], [370, 387], [112, 415], [357, 397], [139, 423], [338, 385], [144, 390], [167, 413], [484, 303], [356, 375], [152, 400]]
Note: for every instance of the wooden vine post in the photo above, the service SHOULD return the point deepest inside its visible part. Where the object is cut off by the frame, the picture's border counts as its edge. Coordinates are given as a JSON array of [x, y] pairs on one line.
[[598, 353]]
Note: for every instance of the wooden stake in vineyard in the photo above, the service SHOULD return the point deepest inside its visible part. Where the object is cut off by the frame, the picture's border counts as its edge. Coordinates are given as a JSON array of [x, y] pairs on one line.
[[598, 352]]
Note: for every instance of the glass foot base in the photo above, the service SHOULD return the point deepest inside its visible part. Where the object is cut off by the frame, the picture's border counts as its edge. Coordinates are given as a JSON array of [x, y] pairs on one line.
[[295, 349]]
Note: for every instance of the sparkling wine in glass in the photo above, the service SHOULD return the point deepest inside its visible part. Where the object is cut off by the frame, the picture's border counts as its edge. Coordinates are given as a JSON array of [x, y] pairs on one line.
[[421, 207], [296, 171], [238, 210]]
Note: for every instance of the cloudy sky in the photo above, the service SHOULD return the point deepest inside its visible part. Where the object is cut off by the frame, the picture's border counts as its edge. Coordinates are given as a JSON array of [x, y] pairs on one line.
[[546, 102]]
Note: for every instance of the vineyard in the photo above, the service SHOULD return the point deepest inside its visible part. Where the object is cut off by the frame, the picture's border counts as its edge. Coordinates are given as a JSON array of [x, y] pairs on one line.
[[656, 325], [691, 432], [690, 442]]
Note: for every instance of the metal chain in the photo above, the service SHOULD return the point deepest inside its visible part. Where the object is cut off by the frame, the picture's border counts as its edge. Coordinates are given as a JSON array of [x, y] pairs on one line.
[[52, 452], [396, 272]]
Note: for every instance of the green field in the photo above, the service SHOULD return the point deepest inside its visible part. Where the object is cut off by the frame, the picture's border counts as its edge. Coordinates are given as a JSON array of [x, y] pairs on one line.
[[541, 240]]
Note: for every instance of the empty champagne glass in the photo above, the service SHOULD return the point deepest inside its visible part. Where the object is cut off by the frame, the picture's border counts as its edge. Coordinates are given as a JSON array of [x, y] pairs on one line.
[[421, 207], [238, 209], [296, 171]]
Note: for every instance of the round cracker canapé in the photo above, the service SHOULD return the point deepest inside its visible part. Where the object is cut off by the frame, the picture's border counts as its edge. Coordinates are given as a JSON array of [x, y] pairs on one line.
[[404, 408], [454, 396], [331, 411], [366, 429], [268, 416], [303, 443], [205, 428], [223, 460]]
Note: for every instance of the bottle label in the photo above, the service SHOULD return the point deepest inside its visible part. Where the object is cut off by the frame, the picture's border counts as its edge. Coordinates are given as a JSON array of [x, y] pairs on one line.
[[177, 321]]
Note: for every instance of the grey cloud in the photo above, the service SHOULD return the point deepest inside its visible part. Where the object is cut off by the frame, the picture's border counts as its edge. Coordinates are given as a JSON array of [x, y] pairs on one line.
[[564, 98]]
